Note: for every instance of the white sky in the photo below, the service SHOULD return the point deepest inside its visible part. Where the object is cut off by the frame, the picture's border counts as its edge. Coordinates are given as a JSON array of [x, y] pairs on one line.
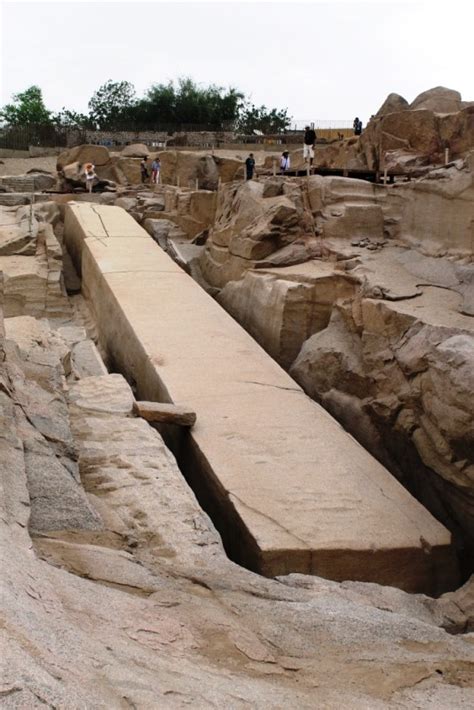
[[321, 60]]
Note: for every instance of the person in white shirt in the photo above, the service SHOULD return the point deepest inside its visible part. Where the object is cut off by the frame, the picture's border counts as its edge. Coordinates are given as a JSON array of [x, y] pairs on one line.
[[89, 172], [284, 161]]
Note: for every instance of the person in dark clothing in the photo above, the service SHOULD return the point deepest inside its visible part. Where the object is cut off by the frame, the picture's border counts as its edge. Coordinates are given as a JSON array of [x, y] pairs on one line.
[[357, 126], [249, 167], [308, 144], [144, 169]]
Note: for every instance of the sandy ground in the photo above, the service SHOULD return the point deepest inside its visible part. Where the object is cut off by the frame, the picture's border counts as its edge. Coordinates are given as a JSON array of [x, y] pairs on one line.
[[20, 166]]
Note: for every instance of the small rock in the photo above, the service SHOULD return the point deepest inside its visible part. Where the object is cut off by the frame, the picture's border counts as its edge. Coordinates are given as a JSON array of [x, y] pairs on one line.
[[164, 413]]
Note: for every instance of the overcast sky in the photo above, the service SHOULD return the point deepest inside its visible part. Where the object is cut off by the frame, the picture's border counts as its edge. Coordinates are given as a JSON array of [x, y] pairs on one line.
[[321, 60]]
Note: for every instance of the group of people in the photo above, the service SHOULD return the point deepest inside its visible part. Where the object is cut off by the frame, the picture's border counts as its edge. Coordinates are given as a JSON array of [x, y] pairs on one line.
[[90, 175], [309, 142], [155, 170]]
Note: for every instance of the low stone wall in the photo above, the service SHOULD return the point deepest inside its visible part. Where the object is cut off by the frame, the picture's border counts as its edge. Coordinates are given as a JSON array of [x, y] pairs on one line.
[[288, 488]]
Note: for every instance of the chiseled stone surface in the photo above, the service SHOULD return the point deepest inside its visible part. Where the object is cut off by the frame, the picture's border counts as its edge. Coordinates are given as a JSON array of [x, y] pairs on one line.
[[303, 496]]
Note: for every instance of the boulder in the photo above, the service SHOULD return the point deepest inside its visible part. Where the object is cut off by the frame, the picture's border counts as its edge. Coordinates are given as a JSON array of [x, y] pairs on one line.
[[394, 103], [412, 131], [127, 203], [161, 230], [127, 170], [281, 307], [73, 176], [136, 150], [165, 413], [440, 100], [189, 169], [229, 168], [96, 154]]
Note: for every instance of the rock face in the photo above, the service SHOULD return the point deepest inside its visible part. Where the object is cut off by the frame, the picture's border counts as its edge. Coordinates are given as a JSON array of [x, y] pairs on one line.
[[31, 182], [401, 385], [434, 214], [420, 132], [382, 243], [250, 227], [193, 169], [31, 261], [404, 138], [282, 307], [309, 217]]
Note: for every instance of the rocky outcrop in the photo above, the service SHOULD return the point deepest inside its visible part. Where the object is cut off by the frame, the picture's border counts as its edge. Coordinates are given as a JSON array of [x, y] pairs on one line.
[[312, 217], [191, 169], [364, 232], [98, 155], [282, 307], [440, 100], [18, 231], [250, 226], [394, 103], [32, 267], [400, 383], [33, 181], [435, 214]]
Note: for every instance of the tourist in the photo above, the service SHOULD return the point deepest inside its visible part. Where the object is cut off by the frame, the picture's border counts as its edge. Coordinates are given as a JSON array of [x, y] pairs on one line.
[[155, 170], [249, 167], [357, 126], [285, 161], [144, 169], [309, 143], [90, 175]]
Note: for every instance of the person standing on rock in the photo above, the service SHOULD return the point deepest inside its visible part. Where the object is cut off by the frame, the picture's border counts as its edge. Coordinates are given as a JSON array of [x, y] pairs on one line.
[[144, 169], [357, 125], [155, 171], [90, 175], [249, 167], [284, 161], [308, 144]]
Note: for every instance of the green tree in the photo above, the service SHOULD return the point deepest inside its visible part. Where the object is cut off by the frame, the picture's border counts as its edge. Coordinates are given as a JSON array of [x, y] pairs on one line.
[[27, 107], [72, 119], [112, 104], [260, 118], [185, 102]]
